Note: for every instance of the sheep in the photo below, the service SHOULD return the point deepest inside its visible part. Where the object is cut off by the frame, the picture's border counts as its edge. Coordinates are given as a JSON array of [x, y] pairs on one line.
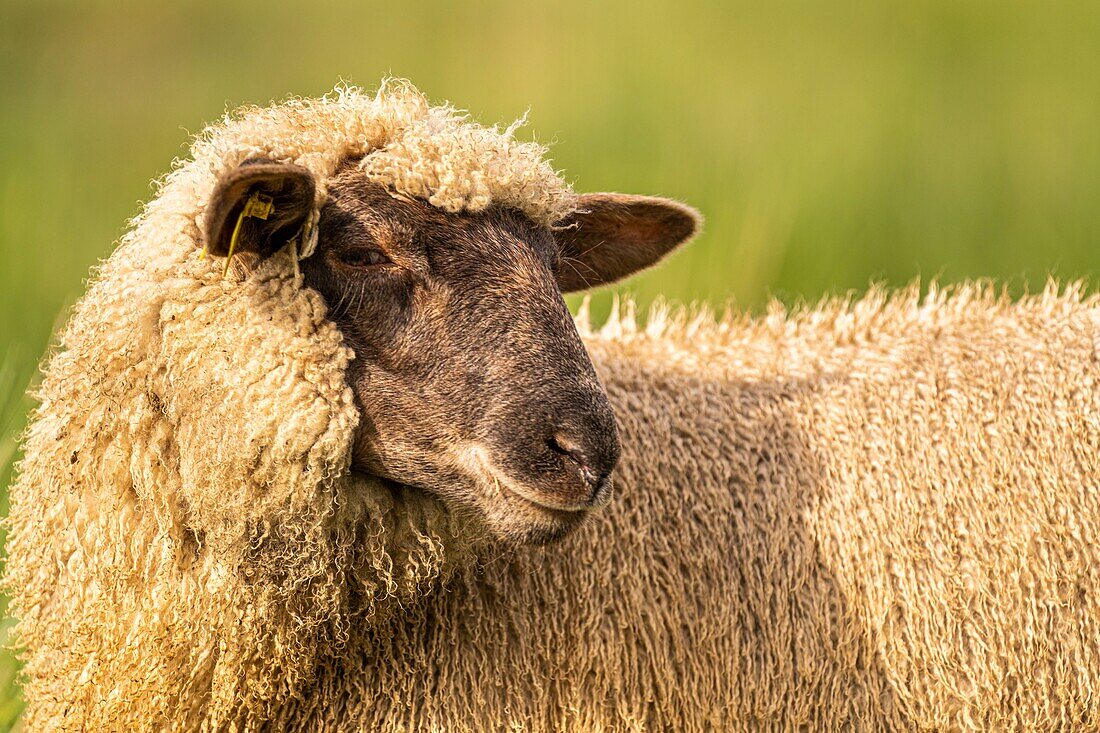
[[246, 506]]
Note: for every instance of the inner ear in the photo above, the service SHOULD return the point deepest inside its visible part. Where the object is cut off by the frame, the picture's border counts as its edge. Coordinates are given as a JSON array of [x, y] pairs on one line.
[[287, 187], [612, 235]]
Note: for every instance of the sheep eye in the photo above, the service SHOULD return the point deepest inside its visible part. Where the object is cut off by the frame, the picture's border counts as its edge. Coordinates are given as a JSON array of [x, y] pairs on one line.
[[363, 258]]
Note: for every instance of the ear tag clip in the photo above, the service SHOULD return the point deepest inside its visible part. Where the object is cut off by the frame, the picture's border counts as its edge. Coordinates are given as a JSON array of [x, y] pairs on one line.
[[258, 206]]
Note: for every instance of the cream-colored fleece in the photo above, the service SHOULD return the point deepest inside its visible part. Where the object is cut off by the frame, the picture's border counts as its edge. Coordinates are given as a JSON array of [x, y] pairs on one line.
[[880, 515]]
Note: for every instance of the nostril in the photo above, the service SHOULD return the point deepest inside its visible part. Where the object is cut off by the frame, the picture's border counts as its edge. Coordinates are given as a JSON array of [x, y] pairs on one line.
[[561, 443], [592, 465]]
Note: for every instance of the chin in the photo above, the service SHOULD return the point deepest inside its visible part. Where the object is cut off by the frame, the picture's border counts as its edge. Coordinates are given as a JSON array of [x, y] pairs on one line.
[[508, 517], [527, 524]]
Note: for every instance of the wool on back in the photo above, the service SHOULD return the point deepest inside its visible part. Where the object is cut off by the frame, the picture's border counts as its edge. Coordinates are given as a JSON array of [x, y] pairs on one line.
[[873, 516]]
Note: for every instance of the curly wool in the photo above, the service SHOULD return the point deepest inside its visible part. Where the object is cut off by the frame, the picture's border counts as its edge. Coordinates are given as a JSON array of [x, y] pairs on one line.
[[406, 144], [880, 515], [186, 538]]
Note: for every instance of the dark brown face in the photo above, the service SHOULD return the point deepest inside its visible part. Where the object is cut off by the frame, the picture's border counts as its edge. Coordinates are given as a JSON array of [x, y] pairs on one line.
[[471, 379]]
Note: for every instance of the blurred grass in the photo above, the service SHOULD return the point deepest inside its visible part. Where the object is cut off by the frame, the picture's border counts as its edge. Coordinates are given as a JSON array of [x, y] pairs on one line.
[[828, 143]]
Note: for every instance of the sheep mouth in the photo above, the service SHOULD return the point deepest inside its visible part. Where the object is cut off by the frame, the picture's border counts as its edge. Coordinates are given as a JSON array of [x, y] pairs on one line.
[[475, 461], [510, 510], [549, 503]]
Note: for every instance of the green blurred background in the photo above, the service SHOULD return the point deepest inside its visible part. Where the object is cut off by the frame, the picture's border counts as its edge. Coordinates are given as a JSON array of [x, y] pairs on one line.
[[829, 144]]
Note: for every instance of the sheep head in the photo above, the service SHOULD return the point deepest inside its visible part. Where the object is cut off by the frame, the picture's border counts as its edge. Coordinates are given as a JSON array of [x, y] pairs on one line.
[[233, 478], [470, 377]]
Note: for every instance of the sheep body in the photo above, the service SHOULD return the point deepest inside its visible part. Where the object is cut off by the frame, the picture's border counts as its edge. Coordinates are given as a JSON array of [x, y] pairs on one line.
[[877, 515]]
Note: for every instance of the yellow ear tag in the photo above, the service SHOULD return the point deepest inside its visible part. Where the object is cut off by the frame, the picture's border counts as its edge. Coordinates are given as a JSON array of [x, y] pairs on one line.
[[258, 206]]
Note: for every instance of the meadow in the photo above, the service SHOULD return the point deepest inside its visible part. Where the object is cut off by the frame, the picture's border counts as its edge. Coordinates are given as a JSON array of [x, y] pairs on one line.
[[830, 144]]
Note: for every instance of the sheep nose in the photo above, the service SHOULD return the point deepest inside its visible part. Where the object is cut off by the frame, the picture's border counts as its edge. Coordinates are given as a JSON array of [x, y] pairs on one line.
[[593, 463]]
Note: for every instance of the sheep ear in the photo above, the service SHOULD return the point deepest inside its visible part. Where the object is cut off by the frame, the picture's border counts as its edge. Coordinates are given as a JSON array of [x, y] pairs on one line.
[[612, 235], [264, 229]]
